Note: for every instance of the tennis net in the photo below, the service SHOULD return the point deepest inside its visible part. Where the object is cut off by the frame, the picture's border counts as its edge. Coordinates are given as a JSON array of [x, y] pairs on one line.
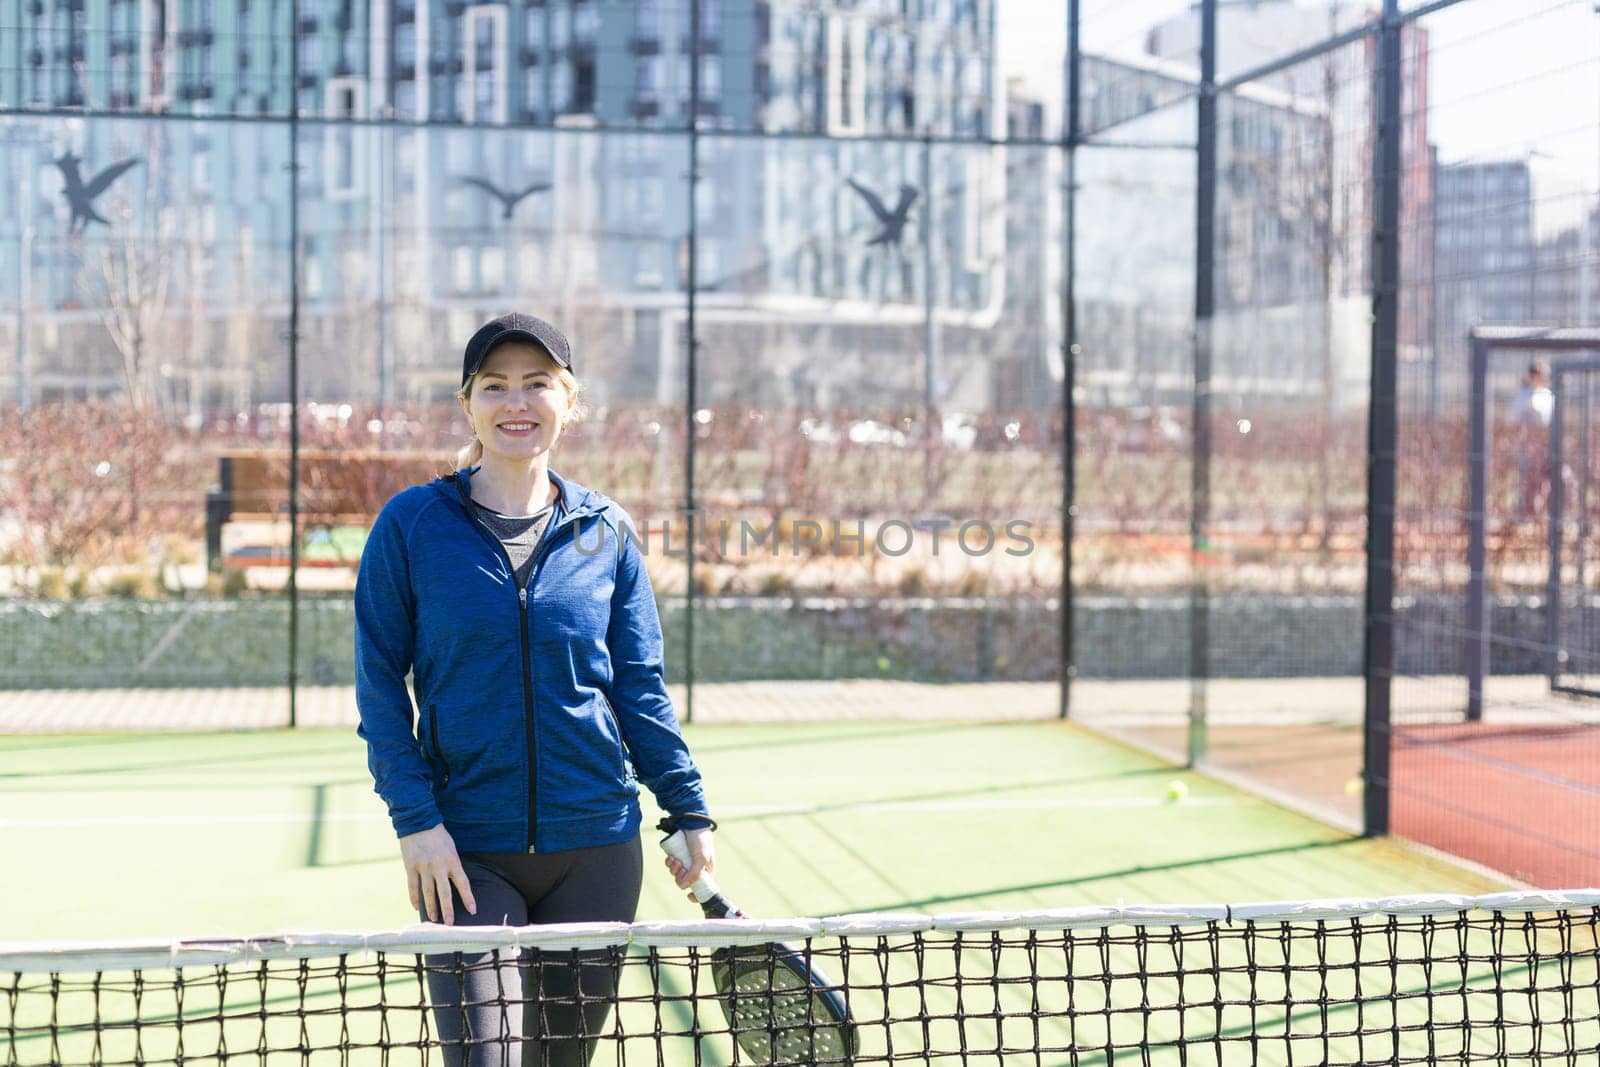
[[1501, 979]]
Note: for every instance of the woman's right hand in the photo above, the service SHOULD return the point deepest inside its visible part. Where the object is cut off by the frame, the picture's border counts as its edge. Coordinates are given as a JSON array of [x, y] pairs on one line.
[[432, 867]]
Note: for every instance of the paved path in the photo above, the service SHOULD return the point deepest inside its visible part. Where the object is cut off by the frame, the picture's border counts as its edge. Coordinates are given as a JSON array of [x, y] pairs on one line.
[[98, 710], [1121, 704]]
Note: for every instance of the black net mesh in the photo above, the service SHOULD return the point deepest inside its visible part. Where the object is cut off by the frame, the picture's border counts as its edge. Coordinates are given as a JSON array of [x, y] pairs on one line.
[[1467, 984]]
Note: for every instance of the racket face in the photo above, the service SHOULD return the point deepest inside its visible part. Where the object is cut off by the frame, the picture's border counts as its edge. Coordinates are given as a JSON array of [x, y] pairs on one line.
[[782, 1012]]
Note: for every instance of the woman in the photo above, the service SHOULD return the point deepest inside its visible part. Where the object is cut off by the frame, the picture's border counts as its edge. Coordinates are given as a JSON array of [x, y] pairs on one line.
[[519, 602]]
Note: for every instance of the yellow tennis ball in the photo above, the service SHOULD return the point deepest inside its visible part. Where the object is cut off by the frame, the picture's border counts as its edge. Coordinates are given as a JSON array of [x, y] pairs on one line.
[[1177, 791], [1354, 786]]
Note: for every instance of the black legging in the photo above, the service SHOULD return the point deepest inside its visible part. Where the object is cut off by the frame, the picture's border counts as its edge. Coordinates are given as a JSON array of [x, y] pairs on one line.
[[485, 1013]]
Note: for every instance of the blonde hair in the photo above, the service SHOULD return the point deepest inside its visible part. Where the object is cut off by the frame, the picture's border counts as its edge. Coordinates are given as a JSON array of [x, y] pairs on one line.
[[472, 452]]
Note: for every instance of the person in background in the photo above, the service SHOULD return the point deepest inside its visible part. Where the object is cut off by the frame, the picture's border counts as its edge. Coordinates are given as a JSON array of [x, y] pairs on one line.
[[519, 603], [1529, 413]]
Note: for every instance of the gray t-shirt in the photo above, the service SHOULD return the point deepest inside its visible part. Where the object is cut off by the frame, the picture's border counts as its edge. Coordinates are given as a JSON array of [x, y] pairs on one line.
[[519, 534]]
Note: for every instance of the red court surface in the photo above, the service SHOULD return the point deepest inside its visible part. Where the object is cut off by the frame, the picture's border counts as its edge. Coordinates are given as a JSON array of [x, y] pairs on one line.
[[1522, 799]]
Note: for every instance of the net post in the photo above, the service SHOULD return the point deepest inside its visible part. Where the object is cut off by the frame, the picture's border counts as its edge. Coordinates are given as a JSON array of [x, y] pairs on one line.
[[1477, 621]]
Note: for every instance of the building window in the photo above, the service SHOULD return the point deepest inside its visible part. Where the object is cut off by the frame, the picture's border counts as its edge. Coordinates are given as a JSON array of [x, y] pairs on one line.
[[461, 270], [535, 28], [585, 22], [533, 89], [705, 204], [120, 68], [457, 208], [439, 38], [560, 27], [310, 56], [493, 265], [708, 262], [710, 19], [652, 198], [647, 20], [345, 99], [583, 87], [485, 94], [847, 74], [647, 77], [711, 78], [405, 44], [405, 98], [561, 88]]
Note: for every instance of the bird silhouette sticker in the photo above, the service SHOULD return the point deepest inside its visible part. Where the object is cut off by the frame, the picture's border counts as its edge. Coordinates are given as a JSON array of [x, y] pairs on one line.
[[508, 200], [81, 195], [890, 223]]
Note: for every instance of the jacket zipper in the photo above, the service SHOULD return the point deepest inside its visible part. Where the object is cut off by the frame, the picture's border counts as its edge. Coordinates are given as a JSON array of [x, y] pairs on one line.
[[433, 738], [529, 731], [529, 720], [546, 542]]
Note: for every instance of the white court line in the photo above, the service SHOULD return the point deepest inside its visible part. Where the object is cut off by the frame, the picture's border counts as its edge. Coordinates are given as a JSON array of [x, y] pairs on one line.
[[27, 822], [1085, 803], [735, 811]]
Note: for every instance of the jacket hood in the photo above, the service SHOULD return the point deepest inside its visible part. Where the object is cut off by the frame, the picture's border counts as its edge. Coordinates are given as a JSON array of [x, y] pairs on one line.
[[577, 500]]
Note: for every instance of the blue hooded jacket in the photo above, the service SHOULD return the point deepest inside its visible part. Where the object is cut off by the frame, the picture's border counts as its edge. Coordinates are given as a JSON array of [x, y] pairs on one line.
[[540, 709]]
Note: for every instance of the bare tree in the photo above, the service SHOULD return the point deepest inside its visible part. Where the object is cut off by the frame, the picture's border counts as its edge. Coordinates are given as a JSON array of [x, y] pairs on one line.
[[1300, 184], [127, 278]]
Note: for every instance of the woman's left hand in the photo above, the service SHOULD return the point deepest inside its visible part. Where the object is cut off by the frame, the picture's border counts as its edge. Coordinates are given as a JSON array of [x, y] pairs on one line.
[[702, 857]]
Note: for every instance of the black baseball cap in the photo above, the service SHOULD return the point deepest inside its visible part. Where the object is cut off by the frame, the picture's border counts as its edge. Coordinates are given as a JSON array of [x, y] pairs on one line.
[[514, 327]]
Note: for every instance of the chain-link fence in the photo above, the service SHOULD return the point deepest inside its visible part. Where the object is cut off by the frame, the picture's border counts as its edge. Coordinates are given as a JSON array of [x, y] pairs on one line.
[[1117, 349]]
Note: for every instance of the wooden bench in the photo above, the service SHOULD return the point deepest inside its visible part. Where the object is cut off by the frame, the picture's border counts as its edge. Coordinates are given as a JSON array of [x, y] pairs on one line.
[[337, 488]]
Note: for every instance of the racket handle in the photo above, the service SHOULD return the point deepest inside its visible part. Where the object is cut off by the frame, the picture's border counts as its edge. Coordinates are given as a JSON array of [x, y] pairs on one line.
[[677, 846]]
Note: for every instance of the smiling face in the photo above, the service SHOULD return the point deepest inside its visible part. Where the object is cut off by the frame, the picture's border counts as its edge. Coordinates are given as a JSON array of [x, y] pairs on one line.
[[516, 402]]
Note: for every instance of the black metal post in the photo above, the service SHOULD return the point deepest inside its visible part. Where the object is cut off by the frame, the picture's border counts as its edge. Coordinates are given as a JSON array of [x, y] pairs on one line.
[[691, 393], [930, 329], [1584, 444], [1382, 426], [1069, 352], [1204, 310], [1556, 496], [383, 141], [1476, 628], [294, 361]]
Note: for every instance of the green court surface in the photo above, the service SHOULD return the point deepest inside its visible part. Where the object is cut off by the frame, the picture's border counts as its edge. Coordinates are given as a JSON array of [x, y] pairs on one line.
[[229, 834], [225, 835]]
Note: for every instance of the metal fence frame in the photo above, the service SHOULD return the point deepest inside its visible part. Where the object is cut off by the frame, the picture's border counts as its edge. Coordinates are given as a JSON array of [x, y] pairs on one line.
[[1486, 342], [1558, 498], [1384, 32]]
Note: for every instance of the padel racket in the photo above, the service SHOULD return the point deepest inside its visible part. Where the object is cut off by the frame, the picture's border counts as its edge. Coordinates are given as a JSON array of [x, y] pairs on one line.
[[783, 1010]]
